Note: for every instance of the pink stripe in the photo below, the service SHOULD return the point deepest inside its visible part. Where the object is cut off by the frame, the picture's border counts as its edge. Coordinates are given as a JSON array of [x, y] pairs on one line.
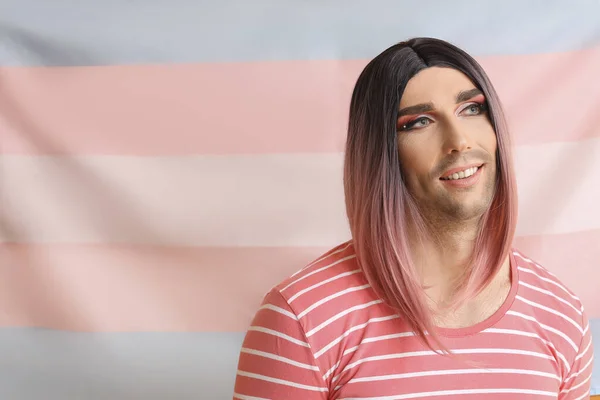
[[137, 288], [129, 288], [263, 107]]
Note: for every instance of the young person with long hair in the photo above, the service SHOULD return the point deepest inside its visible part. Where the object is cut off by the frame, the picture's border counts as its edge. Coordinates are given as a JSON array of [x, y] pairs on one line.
[[429, 299]]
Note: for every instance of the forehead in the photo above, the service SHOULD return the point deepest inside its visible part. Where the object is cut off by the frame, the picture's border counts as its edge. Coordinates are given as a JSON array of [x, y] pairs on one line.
[[435, 84]]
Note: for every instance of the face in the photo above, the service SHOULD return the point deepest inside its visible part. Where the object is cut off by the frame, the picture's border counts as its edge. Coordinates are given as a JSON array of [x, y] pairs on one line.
[[447, 145]]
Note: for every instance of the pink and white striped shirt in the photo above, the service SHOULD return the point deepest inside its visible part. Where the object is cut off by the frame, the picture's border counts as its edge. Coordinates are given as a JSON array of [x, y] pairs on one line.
[[324, 334]]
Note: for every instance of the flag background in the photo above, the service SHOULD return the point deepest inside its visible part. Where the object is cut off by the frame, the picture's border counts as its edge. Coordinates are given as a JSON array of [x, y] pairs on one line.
[[163, 164]]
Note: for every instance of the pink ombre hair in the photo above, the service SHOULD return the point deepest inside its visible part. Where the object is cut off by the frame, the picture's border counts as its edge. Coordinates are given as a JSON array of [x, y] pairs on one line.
[[379, 207]]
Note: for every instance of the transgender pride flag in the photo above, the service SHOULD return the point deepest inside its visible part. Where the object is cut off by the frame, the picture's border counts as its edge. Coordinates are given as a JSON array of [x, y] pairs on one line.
[[164, 163]]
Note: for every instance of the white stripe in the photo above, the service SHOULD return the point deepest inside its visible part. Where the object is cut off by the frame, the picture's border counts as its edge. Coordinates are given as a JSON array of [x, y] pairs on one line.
[[279, 358], [326, 281], [353, 329], [377, 339], [331, 254], [551, 311], [543, 326], [340, 315], [278, 334], [580, 384], [195, 200], [279, 310], [538, 266], [244, 397], [535, 263], [331, 370], [580, 371], [584, 352], [455, 392], [280, 381], [551, 281], [549, 293], [319, 270], [431, 353], [454, 372], [533, 335], [331, 297], [584, 396]]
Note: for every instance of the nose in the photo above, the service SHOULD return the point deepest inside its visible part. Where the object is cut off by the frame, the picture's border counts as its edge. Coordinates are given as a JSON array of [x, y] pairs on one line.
[[455, 138]]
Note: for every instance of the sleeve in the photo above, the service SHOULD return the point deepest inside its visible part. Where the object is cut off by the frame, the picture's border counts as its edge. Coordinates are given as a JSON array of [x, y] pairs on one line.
[[577, 385], [276, 361]]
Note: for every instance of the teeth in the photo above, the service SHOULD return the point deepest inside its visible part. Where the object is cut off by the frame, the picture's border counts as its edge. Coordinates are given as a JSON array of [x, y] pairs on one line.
[[462, 174]]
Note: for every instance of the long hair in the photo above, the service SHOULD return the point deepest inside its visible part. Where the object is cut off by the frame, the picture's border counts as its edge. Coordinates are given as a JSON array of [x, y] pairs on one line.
[[382, 214]]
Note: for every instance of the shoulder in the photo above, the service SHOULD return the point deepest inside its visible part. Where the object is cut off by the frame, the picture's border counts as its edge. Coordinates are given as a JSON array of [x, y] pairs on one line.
[[330, 282], [338, 260], [559, 316], [317, 280], [330, 295], [540, 283], [551, 305], [300, 320]]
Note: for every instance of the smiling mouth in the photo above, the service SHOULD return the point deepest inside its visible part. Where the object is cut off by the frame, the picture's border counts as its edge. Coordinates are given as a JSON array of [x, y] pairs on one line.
[[461, 174]]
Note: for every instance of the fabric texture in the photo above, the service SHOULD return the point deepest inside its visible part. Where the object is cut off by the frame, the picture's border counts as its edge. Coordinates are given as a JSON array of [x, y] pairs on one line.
[[323, 333]]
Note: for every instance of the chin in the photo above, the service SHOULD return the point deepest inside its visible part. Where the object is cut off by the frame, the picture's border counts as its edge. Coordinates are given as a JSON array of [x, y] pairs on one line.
[[465, 212]]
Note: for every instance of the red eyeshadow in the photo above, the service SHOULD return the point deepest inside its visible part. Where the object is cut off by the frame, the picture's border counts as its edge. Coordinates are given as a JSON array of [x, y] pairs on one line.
[[478, 99], [405, 120]]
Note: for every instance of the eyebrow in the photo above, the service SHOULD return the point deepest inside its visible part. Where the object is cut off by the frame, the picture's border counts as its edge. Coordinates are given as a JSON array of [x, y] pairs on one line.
[[426, 107], [467, 94]]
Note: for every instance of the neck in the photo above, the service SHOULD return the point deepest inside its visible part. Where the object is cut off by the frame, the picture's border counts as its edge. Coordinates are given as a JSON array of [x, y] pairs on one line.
[[442, 262], [443, 259]]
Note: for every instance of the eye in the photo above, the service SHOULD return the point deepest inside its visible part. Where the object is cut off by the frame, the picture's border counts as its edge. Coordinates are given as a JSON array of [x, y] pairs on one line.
[[474, 109], [420, 122]]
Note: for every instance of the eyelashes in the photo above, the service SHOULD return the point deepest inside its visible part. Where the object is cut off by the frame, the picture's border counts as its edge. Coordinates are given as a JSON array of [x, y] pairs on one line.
[[476, 107], [406, 125], [480, 106]]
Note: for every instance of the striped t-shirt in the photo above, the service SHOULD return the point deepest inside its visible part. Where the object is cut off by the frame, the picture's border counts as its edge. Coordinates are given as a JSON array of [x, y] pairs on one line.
[[324, 334]]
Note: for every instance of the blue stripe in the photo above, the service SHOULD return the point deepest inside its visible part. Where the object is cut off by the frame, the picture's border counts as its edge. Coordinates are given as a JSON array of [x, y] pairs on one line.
[[53, 365], [595, 327], [109, 32]]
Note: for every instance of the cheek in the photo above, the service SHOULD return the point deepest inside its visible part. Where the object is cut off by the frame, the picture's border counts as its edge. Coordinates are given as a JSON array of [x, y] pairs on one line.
[[487, 137], [415, 156]]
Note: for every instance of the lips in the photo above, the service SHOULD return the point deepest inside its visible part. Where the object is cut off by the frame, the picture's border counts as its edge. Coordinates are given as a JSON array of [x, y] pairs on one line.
[[460, 172]]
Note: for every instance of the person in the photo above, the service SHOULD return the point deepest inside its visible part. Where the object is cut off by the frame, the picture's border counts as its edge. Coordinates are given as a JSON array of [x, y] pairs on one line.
[[429, 298]]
